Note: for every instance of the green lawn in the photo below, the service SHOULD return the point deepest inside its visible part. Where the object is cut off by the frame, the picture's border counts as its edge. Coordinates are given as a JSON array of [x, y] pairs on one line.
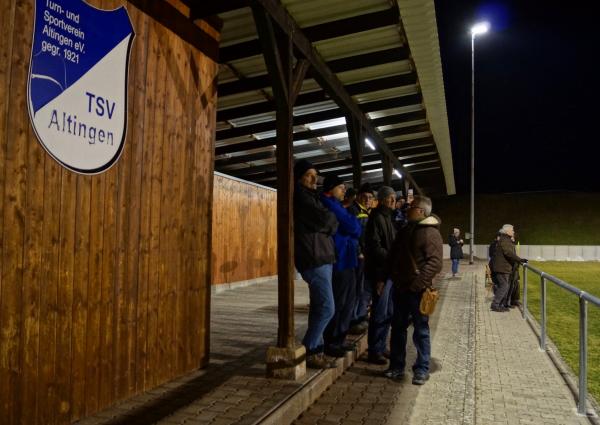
[[563, 313]]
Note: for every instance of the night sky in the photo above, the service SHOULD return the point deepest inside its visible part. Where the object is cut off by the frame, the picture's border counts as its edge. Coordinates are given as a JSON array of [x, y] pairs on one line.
[[536, 94]]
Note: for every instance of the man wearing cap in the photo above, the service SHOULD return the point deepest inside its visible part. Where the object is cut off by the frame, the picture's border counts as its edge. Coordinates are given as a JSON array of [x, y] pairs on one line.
[[415, 259], [314, 254], [361, 209], [344, 279], [379, 239]]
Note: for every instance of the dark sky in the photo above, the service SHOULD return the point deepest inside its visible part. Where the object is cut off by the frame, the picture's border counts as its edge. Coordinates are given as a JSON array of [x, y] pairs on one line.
[[536, 103]]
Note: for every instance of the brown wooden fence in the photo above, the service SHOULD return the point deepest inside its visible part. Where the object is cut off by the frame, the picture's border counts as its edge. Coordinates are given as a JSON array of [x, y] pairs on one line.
[[244, 231], [104, 279]]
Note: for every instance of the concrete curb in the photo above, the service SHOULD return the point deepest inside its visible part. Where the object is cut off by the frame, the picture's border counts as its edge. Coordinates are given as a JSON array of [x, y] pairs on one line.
[[289, 409]]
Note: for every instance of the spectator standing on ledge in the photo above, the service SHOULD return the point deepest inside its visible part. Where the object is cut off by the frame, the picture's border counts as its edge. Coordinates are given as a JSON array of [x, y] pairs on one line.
[[456, 253], [344, 269], [314, 253], [505, 258], [379, 239], [361, 209], [415, 259]]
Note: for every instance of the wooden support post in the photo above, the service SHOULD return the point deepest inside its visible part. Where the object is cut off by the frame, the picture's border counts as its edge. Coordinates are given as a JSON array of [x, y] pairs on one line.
[[286, 360], [388, 169], [355, 137]]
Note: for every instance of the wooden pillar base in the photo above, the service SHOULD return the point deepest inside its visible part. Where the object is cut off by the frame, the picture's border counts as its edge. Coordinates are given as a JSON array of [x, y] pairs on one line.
[[286, 363]]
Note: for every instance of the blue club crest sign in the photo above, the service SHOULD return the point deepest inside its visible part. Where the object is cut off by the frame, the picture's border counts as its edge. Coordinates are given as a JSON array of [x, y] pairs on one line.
[[77, 86]]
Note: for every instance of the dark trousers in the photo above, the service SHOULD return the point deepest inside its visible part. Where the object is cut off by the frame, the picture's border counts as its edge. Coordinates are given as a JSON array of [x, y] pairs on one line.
[[359, 313], [502, 280], [344, 295], [406, 305]]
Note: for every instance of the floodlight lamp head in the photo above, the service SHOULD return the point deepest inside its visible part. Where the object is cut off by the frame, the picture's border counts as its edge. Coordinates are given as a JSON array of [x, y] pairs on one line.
[[480, 28]]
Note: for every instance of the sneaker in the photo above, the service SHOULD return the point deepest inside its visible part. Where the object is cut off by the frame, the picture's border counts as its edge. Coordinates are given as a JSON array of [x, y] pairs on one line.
[[377, 358], [420, 378], [318, 361], [394, 373]]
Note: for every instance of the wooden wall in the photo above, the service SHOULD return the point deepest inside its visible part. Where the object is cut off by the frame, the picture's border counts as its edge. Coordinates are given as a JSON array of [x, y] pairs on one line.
[[104, 279], [244, 231]]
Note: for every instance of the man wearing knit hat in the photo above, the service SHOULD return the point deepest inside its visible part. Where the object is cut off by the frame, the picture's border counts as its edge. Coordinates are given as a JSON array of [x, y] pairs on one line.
[[344, 282], [314, 254], [379, 238]]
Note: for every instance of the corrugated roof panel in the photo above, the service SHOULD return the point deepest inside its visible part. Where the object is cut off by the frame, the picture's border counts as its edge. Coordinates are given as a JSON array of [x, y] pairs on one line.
[[420, 25], [401, 125], [394, 111], [386, 94], [239, 99], [411, 136], [238, 26], [312, 12], [363, 42], [372, 72]]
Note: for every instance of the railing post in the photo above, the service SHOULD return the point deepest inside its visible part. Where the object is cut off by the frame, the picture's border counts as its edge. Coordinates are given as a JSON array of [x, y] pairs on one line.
[[543, 313], [582, 355], [524, 291]]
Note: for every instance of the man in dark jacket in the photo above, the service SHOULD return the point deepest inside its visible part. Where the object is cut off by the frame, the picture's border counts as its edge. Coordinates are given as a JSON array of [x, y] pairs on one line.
[[503, 262], [456, 253], [379, 238], [344, 269], [314, 254], [415, 259], [361, 209]]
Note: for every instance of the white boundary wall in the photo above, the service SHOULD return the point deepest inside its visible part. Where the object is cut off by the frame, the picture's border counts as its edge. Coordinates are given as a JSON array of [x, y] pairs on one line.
[[542, 252]]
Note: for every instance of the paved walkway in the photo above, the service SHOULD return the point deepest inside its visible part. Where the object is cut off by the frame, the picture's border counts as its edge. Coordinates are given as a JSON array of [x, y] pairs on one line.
[[486, 369]]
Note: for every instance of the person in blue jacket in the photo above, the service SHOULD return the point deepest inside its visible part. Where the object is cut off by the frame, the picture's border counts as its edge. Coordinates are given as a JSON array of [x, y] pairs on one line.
[[344, 276]]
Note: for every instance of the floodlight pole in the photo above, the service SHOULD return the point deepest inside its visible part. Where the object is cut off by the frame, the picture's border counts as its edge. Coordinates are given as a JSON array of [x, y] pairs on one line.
[[472, 226]]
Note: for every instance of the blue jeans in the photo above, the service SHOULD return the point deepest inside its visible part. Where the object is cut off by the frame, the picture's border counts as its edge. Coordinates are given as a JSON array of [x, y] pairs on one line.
[[406, 305], [321, 308], [455, 265], [382, 311]]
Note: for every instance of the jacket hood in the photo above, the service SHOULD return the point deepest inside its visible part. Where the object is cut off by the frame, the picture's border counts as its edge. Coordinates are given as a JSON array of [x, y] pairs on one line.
[[432, 220]]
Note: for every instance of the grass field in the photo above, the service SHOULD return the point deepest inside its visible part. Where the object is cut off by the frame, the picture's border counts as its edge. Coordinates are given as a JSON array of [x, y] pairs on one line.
[[563, 313]]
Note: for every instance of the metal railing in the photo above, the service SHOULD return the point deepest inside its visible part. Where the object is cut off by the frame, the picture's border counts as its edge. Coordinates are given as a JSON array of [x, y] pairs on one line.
[[584, 298]]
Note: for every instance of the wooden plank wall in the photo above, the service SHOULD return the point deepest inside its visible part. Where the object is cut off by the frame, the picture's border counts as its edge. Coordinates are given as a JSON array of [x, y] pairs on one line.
[[105, 280], [244, 231]]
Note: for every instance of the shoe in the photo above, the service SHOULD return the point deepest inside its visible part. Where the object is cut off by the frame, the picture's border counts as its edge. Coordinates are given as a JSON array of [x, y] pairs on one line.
[[359, 328], [349, 346], [500, 309], [335, 352], [394, 374], [377, 359], [318, 361], [420, 378]]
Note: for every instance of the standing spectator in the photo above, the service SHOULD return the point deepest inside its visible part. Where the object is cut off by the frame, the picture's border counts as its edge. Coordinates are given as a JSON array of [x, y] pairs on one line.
[[349, 198], [379, 239], [361, 210], [505, 258], [491, 253], [344, 270], [514, 292], [415, 259], [456, 253], [314, 253], [399, 218]]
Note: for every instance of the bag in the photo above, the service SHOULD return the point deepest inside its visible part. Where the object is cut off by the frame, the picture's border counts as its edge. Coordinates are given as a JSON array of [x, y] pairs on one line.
[[429, 299]]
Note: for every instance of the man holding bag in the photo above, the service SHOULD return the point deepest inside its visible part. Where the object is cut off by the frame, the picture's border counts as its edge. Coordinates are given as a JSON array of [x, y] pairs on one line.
[[415, 259]]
